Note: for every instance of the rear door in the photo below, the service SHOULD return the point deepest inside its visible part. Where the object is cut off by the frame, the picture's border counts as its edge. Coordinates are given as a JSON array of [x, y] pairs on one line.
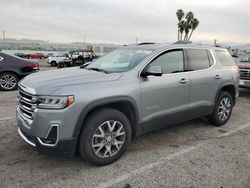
[[204, 79]]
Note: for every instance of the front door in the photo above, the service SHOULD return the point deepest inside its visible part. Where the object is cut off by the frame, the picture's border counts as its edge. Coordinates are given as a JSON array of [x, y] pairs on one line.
[[165, 99]]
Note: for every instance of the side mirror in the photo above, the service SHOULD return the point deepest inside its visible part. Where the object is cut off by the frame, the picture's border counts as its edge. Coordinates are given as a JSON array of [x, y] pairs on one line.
[[152, 71]]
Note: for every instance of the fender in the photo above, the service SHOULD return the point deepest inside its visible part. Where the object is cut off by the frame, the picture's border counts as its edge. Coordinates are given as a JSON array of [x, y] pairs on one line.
[[101, 102], [224, 85]]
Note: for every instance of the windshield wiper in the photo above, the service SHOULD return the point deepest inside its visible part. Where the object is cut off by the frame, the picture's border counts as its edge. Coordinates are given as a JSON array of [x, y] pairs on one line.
[[98, 70]]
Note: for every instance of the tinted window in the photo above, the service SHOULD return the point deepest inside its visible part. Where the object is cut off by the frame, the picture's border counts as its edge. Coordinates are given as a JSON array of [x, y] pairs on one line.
[[198, 59], [245, 58], [170, 62], [225, 58]]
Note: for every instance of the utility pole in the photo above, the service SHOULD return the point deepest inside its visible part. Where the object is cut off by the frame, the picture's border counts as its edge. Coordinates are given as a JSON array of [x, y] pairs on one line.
[[84, 39], [3, 35], [136, 40], [215, 42]]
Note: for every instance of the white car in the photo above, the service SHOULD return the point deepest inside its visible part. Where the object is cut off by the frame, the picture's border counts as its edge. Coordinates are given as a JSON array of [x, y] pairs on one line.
[[54, 60]]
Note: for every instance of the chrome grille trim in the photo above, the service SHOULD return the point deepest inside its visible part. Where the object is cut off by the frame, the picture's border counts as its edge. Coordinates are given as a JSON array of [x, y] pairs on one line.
[[245, 73], [27, 103]]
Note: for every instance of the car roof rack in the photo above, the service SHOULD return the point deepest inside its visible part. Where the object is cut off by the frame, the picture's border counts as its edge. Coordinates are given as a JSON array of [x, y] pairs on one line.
[[183, 42], [145, 43]]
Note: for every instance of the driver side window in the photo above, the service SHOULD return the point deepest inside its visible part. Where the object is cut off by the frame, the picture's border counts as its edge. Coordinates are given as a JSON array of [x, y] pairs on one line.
[[170, 62]]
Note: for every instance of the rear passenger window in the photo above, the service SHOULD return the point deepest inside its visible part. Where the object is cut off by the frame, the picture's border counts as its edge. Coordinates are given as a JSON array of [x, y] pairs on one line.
[[225, 58], [199, 59]]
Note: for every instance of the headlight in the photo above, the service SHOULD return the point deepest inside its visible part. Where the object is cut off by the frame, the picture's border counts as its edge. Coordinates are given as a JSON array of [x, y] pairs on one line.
[[55, 102]]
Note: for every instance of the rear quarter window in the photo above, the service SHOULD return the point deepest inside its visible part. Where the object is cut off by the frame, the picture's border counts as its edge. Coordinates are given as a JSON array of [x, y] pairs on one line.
[[199, 59], [225, 58]]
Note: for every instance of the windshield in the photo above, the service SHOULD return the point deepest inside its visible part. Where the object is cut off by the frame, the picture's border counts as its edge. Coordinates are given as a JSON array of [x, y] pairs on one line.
[[119, 60], [245, 58]]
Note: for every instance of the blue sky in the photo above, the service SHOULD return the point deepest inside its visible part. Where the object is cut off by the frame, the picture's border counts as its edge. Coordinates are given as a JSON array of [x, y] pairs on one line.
[[121, 21]]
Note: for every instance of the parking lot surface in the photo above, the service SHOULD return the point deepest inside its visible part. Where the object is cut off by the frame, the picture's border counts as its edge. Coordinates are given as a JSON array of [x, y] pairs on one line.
[[191, 154]]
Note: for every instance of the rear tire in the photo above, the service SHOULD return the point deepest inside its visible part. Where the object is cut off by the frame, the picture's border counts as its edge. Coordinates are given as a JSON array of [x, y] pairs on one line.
[[223, 109], [105, 137]]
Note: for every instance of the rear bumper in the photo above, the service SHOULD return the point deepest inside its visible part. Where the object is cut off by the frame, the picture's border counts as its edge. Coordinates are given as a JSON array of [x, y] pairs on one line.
[[63, 148]]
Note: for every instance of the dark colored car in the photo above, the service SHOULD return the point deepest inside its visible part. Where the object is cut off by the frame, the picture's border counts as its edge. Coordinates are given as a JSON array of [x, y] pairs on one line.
[[12, 69], [36, 56], [22, 55], [244, 68]]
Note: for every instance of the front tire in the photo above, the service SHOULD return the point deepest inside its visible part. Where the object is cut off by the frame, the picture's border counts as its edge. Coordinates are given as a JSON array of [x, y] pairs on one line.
[[223, 109], [8, 81], [53, 64], [105, 137]]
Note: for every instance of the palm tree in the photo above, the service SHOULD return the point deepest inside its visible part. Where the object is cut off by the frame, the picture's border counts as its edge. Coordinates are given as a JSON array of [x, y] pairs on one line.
[[181, 26], [194, 24], [186, 30], [189, 17], [180, 14]]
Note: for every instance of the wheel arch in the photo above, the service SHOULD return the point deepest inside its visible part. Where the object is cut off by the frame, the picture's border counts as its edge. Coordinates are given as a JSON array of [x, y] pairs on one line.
[[228, 87], [11, 71], [126, 105]]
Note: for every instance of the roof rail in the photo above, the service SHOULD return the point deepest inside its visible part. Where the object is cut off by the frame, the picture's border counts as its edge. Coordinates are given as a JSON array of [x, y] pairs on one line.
[[145, 43], [183, 42]]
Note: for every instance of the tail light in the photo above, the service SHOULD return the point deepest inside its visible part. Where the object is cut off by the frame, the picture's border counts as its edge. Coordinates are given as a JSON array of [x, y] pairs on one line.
[[33, 66]]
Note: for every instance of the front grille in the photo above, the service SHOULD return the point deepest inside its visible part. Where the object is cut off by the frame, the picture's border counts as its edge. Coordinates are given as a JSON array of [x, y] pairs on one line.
[[27, 103], [245, 73]]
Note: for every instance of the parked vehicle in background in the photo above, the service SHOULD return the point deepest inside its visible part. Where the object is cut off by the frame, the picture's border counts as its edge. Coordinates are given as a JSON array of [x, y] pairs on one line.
[[22, 55], [54, 60], [36, 56], [49, 55], [244, 68], [77, 57], [97, 109], [81, 56], [13, 69]]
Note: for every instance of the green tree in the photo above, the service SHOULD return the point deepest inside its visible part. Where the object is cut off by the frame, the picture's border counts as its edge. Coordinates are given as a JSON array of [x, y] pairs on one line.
[[194, 24], [180, 14], [186, 24], [181, 28]]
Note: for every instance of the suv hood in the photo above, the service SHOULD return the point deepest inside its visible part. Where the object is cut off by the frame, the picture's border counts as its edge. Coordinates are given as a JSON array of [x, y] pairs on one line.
[[244, 65], [48, 81]]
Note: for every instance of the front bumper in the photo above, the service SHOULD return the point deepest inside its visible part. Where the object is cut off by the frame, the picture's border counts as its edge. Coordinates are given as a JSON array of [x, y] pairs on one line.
[[46, 135], [65, 148], [244, 83]]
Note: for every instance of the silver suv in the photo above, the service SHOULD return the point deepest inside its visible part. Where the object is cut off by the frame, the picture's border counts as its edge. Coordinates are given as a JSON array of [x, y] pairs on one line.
[[97, 109]]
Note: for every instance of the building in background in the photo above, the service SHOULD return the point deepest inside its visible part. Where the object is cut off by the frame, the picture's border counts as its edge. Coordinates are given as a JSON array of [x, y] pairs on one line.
[[34, 45]]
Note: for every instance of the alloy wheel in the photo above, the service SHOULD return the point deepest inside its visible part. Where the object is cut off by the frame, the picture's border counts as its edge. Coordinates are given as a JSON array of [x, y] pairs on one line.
[[108, 139], [225, 108], [8, 81]]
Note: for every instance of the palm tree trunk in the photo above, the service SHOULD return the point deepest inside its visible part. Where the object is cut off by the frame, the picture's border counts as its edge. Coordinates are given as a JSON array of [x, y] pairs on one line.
[[178, 34], [190, 34]]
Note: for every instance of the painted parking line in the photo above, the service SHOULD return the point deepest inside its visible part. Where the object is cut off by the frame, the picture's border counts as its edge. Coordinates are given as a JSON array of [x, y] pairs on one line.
[[164, 160], [6, 118]]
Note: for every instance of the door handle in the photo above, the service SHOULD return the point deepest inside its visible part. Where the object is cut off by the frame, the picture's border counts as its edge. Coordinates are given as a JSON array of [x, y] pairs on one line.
[[217, 77], [183, 81]]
